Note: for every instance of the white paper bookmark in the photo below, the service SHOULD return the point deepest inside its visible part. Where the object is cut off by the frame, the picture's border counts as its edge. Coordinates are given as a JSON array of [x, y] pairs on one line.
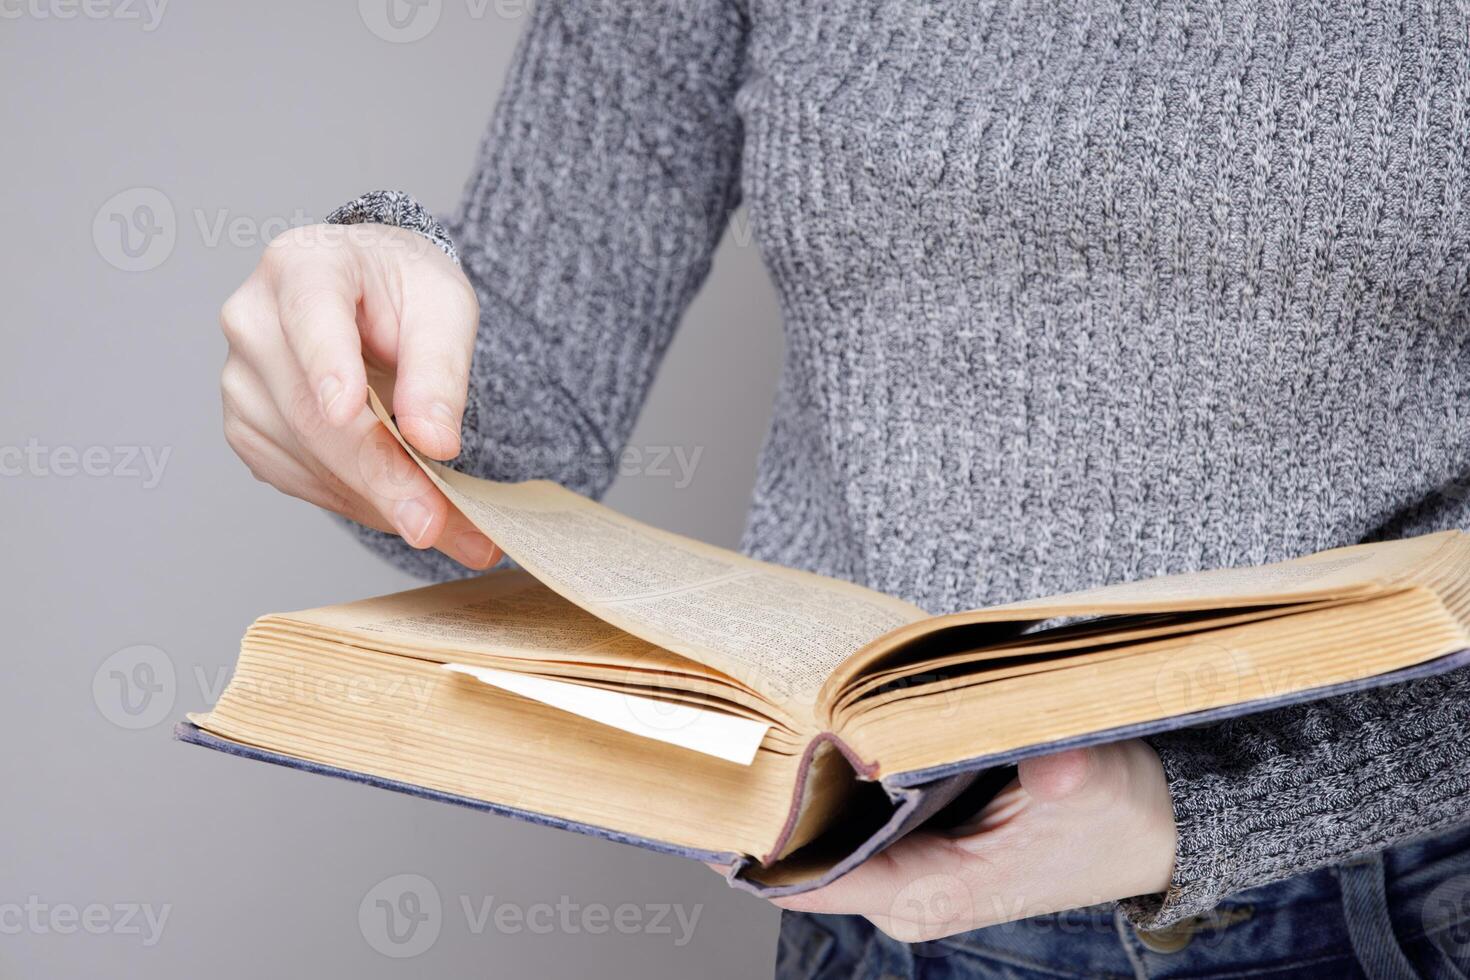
[[715, 733]]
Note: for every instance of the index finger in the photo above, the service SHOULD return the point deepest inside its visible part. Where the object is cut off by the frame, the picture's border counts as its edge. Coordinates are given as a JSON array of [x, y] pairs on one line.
[[317, 306]]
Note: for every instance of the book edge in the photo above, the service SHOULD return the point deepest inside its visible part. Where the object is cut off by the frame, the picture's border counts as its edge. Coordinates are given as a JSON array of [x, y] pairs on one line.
[[1208, 716], [190, 733]]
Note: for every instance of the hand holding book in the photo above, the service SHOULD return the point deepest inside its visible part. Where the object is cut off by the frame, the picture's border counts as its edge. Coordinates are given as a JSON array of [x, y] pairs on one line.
[[1079, 828]]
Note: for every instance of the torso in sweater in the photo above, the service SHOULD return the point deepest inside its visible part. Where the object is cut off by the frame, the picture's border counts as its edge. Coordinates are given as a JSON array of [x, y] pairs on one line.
[[1078, 293]]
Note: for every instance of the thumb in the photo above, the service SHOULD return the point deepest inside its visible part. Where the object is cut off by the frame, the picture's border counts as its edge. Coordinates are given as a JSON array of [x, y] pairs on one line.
[[1074, 778]]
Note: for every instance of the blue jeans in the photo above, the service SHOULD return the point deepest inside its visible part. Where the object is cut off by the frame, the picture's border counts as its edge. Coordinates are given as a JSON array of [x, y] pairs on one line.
[[1399, 915]]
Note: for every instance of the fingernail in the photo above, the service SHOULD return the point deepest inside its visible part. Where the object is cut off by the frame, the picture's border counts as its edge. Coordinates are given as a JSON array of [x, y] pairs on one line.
[[328, 392], [477, 549], [413, 520]]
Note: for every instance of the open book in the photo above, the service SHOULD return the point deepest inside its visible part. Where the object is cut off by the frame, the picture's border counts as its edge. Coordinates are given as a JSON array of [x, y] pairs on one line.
[[633, 683]]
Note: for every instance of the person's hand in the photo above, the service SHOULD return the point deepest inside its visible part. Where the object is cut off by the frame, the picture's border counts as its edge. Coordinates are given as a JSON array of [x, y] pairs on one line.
[[327, 304], [1075, 829]]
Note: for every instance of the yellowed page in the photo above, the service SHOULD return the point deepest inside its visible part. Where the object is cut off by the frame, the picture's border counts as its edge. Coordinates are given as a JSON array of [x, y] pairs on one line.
[[1356, 570], [1162, 678], [412, 721], [779, 630], [1350, 573], [1036, 653], [507, 620], [502, 613]]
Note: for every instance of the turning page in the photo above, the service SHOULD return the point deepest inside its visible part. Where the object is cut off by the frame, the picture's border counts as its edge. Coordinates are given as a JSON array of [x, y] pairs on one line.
[[778, 630]]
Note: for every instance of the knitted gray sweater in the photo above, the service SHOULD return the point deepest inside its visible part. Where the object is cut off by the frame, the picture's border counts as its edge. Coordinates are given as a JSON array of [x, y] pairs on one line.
[[1073, 293]]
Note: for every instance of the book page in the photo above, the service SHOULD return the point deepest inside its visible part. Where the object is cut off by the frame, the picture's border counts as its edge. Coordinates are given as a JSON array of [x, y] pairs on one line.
[[1352, 572], [1262, 661], [778, 630], [415, 722], [1355, 570], [503, 613]]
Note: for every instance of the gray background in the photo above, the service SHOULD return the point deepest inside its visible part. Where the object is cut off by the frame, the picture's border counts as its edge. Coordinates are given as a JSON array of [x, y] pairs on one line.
[[245, 117]]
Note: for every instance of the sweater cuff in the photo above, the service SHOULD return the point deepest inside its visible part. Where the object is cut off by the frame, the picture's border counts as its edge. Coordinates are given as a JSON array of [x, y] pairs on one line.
[[398, 210], [1264, 797], [1207, 844]]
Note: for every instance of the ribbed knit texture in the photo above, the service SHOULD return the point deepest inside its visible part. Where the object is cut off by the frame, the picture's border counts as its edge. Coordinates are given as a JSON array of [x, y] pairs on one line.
[[1073, 294]]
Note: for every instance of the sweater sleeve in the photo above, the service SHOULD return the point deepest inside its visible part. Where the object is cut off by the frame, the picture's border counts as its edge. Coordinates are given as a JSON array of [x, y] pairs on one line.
[[1268, 796], [601, 189]]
